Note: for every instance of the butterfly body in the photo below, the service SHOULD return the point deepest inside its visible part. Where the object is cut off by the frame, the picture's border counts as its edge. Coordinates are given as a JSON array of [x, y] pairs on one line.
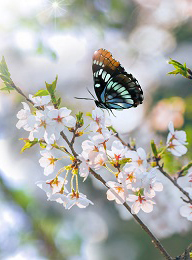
[[114, 87]]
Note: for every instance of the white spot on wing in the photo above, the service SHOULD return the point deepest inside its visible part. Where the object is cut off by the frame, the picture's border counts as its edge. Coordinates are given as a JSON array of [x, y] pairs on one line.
[[100, 71], [97, 85], [104, 74], [107, 77]]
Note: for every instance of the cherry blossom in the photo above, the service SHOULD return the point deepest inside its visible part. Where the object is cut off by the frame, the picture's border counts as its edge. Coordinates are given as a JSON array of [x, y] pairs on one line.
[[84, 166], [44, 127], [47, 161], [61, 118], [128, 175], [117, 151], [26, 119], [40, 101], [53, 186], [186, 210], [176, 148], [78, 199], [100, 122], [190, 176], [97, 159], [176, 141], [139, 158], [140, 202], [116, 192], [180, 136]]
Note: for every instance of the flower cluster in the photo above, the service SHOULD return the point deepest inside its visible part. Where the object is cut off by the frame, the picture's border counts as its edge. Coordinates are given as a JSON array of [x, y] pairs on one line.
[[94, 154], [136, 183], [46, 123], [176, 141]]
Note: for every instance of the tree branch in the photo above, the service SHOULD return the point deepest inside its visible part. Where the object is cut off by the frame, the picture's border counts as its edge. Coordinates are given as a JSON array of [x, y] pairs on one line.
[[174, 182]]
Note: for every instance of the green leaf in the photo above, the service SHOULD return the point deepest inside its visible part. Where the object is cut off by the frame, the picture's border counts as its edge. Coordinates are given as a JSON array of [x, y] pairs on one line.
[[184, 169], [154, 148], [51, 87], [5, 76], [112, 129], [59, 102], [3, 68], [179, 69], [42, 145], [28, 144], [41, 92], [80, 120], [7, 88]]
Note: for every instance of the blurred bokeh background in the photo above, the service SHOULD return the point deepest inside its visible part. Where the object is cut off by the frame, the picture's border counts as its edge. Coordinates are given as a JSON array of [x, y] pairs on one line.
[[40, 39]]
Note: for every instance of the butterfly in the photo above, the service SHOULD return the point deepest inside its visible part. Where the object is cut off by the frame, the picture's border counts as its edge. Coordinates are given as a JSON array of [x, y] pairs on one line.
[[114, 87]]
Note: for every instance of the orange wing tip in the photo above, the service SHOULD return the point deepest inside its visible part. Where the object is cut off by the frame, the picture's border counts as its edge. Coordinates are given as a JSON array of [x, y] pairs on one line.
[[105, 56]]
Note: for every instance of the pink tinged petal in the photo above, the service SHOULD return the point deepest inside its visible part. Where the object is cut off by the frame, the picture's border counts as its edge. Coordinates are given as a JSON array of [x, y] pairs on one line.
[[158, 186], [149, 193], [44, 162], [63, 112], [26, 106], [147, 206], [46, 154], [87, 145], [181, 149], [69, 121], [169, 137], [44, 186], [31, 136], [31, 120], [56, 197], [117, 146], [181, 136], [49, 169], [136, 207], [186, 211], [20, 124], [113, 195], [53, 113], [46, 99], [134, 156], [84, 170], [110, 195], [174, 152], [132, 198], [83, 202], [142, 154], [171, 127]]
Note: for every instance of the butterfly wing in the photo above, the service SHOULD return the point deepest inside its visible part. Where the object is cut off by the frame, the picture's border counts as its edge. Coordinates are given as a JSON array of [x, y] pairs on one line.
[[114, 87]]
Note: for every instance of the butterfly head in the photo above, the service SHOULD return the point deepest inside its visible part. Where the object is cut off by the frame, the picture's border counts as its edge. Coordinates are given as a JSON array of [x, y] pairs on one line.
[[100, 104]]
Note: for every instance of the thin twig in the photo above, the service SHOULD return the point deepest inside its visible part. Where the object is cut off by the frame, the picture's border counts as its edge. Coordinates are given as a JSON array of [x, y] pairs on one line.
[[133, 148], [69, 144], [174, 182], [21, 93], [185, 255]]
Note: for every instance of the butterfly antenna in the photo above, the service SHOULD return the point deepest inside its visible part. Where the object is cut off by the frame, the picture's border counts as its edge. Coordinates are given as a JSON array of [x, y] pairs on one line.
[[84, 98], [91, 93]]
